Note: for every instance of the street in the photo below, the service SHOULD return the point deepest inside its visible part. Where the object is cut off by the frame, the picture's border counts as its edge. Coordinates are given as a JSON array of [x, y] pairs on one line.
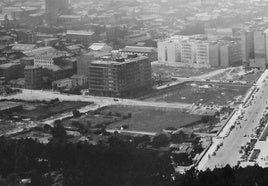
[[250, 115]]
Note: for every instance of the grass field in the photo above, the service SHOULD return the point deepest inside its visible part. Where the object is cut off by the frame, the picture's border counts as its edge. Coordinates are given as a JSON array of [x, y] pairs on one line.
[[37, 111], [150, 119], [208, 94]]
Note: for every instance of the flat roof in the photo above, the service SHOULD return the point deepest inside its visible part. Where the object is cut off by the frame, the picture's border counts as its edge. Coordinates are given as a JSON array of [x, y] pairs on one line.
[[139, 49], [23, 47], [127, 60], [80, 32]]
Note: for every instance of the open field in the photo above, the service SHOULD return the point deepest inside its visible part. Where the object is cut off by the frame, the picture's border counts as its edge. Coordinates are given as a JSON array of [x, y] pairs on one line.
[[42, 110], [92, 120], [208, 94], [166, 70], [150, 119], [238, 74], [229, 74]]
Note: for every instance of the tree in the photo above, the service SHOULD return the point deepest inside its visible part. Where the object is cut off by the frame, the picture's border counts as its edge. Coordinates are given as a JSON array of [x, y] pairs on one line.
[[58, 131], [76, 114], [161, 139]]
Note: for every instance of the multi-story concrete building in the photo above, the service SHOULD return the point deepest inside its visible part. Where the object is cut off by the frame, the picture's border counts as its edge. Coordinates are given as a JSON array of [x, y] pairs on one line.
[[83, 62], [149, 52], [33, 77], [26, 36], [260, 58], [46, 60], [254, 44], [214, 54], [230, 53], [247, 45], [169, 51], [191, 51], [120, 78], [69, 20], [187, 52], [82, 36], [11, 71]]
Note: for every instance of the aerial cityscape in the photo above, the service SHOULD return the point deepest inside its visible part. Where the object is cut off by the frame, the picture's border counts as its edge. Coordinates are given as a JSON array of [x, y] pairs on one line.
[[133, 93]]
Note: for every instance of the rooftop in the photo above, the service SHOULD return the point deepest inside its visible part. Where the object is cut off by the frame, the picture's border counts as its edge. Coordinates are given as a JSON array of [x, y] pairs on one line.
[[97, 46], [23, 47], [124, 61], [139, 49], [80, 32], [31, 67], [38, 51], [70, 16]]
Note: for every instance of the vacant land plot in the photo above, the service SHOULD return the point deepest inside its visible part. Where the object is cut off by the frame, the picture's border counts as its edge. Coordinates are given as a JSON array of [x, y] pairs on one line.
[[92, 120], [238, 74], [37, 111], [208, 94], [167, 71], [150, 119]]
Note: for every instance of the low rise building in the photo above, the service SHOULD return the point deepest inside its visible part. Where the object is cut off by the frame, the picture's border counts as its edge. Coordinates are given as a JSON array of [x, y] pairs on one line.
[[23, 47], [11, 71], [149, 52], [100, 47], [80, 80], [63, 84], [84, 37]]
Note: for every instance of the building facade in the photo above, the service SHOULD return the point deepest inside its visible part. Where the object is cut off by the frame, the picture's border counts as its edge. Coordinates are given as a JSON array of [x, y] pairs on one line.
[[260, 56], [230, 54], [120, 78], [190, 51], [83, 62], [33, 77], [247, 45], [11, 71], [149, 52], [84, 37]]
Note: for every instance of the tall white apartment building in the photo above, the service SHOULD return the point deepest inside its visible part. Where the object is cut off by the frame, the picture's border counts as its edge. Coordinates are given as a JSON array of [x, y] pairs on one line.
[[202, 53], [169, 50], [191, 51], [188, 52]]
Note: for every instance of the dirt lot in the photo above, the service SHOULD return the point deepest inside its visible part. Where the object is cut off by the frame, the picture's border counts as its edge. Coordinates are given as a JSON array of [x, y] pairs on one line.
[[239, 74], [208, 94], [168, 71], [150, 119]]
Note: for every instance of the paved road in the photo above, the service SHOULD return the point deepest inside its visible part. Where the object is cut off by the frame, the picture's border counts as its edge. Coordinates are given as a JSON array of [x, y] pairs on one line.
[[85, 109], [48, 95], [132, 132], [253, 111], [195, 78]]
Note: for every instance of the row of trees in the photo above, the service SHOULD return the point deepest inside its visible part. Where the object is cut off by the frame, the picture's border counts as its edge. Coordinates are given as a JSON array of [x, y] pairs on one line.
[[116, 163]]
